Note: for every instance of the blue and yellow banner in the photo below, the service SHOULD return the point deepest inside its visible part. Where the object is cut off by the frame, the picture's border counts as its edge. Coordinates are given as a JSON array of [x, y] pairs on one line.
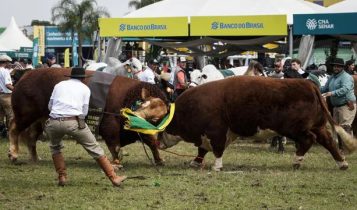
[[143, 27], [325, 24], [263, 25], [39, 32]]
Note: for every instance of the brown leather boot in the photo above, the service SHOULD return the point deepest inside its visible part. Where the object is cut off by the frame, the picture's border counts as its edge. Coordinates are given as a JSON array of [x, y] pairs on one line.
[[60, 167], [109, 171]]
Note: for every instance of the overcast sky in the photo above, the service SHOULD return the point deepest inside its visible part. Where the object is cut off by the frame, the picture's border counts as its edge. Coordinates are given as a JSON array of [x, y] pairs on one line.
[[25, 11]]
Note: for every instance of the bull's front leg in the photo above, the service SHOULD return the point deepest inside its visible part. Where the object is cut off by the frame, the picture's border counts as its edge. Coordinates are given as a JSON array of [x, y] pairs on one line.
[[114, 150], [302, 144], [150, 140], [198, 161]]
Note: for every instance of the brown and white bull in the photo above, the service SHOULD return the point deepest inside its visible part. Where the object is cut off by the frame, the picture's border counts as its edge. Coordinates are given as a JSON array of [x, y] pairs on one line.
[[30, 105], [214, 114]]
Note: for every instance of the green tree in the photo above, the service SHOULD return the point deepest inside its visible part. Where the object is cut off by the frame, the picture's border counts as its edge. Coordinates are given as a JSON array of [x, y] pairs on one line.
[[137, 4], [41, 23], [80, 18]]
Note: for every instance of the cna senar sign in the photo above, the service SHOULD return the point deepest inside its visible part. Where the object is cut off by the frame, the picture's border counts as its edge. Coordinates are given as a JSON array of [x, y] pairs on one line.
[[262, 25], [143, 27], [325, 24]]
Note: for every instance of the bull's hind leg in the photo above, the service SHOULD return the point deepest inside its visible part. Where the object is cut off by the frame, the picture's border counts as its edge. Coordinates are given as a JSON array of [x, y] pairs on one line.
[[198, 161], [324, 138], [303, 144], [14, 142], [30, 136]]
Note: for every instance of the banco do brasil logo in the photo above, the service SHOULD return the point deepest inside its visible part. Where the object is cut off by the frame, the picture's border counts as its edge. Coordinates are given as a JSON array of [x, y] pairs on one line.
[[122, 27], [214, 25], [311, 24]]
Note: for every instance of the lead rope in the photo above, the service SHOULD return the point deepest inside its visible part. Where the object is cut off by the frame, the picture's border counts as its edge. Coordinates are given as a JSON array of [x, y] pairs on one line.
[[147, 155], [181, 155]]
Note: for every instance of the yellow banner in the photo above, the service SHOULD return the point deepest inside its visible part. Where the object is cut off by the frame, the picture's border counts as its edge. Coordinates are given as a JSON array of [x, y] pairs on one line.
[[66, 58], [143, 27], [264, 25], [39, 32]]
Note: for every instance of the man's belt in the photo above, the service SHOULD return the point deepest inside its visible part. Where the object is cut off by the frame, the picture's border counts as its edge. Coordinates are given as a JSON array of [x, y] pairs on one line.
[[345, 104], [64, 118]]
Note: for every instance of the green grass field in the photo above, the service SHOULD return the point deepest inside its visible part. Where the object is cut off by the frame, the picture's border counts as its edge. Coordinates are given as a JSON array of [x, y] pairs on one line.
[[253, 178]]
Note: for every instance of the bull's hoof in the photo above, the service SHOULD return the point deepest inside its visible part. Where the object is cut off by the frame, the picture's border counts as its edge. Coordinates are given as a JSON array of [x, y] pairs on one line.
[[117, 167], [13, 158], [160, 163], [217, 169], [342, 165], [195, 164], [296, 166], [35, 160]]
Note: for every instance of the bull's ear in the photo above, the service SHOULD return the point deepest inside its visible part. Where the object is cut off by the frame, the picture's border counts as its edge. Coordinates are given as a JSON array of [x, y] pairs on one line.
[[204, 76], [145, 94]]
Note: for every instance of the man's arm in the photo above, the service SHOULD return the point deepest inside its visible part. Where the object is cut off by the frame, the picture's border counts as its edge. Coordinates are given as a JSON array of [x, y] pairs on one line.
[[10, 87], [85, 111], [181, 78]]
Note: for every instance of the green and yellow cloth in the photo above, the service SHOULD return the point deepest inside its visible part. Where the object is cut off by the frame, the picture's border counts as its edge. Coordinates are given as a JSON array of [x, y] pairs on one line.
[[138, 124]]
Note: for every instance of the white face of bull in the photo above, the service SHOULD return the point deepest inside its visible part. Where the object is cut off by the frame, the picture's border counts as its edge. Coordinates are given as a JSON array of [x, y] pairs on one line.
[[197, 78]]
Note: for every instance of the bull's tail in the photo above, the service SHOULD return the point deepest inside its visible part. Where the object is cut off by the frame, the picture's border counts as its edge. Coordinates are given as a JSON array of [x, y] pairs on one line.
[[348, 141]]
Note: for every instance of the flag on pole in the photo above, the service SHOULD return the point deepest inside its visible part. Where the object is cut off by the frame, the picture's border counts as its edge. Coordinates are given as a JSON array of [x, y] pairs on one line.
[[35, 52], [66, 58], [74, 51]]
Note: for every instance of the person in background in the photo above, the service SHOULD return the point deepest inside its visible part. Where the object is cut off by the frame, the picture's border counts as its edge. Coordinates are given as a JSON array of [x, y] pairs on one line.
[[148, 75], [6, 88], [179, 77], [23, 63], [297, 72], [166, 67], [340, 88], [68, 107], [29, 64], [278, 70], [254, 69], [350, 66], [50, 59]]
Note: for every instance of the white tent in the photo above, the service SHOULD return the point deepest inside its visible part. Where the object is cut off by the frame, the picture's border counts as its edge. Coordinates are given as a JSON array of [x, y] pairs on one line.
[[179, 8], [343, 6], [13, 38], [2, 48]]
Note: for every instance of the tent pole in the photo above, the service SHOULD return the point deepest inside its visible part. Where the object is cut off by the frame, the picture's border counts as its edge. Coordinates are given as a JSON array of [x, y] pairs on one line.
[[291, 41]]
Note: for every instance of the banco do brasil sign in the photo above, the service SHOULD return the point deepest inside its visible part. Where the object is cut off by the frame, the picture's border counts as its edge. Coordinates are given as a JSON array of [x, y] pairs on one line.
[[238, 25], [150, 27], [143, 27]]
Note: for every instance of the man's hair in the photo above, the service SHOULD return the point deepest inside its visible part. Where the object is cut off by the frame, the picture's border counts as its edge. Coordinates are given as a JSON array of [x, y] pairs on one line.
[[295, 60], [350, 62]]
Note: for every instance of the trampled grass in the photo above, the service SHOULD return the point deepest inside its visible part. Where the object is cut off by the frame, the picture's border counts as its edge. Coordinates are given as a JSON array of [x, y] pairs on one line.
[[253, 178]]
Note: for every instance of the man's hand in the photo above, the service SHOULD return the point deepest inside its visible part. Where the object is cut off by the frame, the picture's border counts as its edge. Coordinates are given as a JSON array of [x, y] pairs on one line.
[[327, 94]]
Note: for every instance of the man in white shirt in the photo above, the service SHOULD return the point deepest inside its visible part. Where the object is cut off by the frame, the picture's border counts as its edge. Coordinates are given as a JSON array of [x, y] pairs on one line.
[[68, 107], [149, 75], [6, 88]]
